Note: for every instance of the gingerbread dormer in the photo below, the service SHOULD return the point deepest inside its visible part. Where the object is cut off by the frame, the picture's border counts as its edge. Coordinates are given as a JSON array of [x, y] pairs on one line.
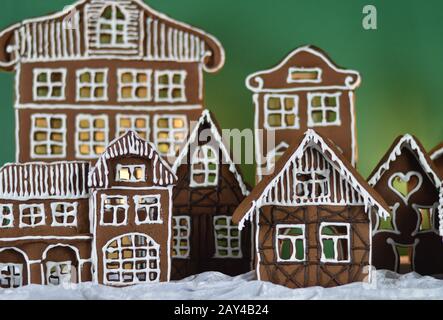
[[91, 72], [306, 90], [131, 187], [408, 181]]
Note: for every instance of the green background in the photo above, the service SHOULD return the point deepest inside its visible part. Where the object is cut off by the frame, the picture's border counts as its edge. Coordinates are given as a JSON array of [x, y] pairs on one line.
[[401, 63]]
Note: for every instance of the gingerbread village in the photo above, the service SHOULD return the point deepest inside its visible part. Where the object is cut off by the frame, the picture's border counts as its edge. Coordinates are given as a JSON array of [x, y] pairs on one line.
[[115, 182]]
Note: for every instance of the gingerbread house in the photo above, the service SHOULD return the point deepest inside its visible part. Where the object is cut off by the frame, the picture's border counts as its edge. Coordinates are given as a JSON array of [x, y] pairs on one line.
[[306, 90], [209, 189], [312, 218], [89, 73], [408, 181]]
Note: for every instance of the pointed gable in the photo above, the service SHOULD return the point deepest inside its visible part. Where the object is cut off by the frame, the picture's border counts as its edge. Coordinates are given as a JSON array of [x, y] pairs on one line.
[[207, 122], [305, 68], [131, 145], [333, 181], [74, 33]]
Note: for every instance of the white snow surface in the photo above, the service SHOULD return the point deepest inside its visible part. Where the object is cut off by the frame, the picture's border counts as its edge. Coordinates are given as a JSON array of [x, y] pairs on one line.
[[214, 285]]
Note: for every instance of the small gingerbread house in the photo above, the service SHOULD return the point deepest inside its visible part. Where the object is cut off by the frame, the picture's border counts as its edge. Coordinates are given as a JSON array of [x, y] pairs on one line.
[[210, 187], [306, 90], [131, 210], [312, 217], [408, 181]]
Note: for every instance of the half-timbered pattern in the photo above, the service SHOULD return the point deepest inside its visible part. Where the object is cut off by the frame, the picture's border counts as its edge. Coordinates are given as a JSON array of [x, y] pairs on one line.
[[131, 192], [44, 224], [409, 182], [312, 218], [209, 189], [306, 90], [100, 68]]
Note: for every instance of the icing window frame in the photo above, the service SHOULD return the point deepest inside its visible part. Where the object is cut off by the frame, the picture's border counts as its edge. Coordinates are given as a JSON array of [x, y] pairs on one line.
[[6, 217], [152, 209], [134, 85], [113, 210], [293, 239], [132, 172], [209, 166], [58, 275], [36, 211], [49, 83], [226, 232], [431, 216], [335, 239], [68, 211], [170, 86], [181, 237], [42, 124], [302, 70], [93, 85], [115, 28], [168, 133], [324, 109], [282, 111], [134, 123], [306, 188], [90, 133], [11, 278]]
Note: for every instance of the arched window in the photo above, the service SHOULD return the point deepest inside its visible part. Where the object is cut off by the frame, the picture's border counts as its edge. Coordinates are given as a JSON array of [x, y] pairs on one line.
[[204, 169], [112, 27], [130, 259]]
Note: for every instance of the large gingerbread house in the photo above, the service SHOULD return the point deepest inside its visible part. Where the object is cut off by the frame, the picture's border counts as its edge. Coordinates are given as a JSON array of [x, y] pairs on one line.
[[89, 73], [306, 90]]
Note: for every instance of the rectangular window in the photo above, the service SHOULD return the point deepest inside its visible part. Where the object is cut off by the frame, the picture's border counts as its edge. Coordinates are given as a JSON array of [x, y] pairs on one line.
[[134, 85], [32, 215], [58, 273], [91, 136], [114, 210], [64, 214], [227, 238], [426, 215], [6, 216], [281, 112], [49, 84], [181, 227], [323, 109], [11, 275], [335, 242], [290, 242], [48, 136], [147, 209], [304, 75], [170, 132], [312, 184], [92, 85], [170, 86], [137, 123], [131, 173]]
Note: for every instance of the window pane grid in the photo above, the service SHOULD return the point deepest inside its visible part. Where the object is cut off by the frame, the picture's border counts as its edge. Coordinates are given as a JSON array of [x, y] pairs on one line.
[[114, 210], [92, 85], [170, 86], [281, 112], [204, 170], [290, 243], [227, 238], [170, 132], [335, 237], [49, 84], [312, 184], [6, 216], [32, 215], [137, 123], [147, 209], [11, 275], [181, 233], [58, 273], [323, 109], [134, 85], [48, 136], [92, 135], [64, 214], [112, 28]]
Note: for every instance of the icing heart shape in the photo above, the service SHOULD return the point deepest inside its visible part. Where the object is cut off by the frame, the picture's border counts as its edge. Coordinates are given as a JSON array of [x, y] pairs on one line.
[[404, 185]]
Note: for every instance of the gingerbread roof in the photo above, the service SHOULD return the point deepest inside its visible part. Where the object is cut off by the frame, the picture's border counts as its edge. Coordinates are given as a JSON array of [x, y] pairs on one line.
[[437, 152], [414, 145], [304, 59], [44, 180], [130, 144], [207, 121], [352, 190], [152, 36]]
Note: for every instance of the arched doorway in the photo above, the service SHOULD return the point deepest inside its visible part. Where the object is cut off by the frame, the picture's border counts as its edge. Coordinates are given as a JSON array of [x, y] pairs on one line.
[[130, 259], [60, 264], [13, 268]]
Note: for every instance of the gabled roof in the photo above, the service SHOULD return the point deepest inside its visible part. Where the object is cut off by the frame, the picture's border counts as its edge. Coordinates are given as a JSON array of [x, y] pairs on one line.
[[293, 155], [50, 38], [396, 150], [307, 57], [21, 181], [437, 152], [130, 144], [207, 120]]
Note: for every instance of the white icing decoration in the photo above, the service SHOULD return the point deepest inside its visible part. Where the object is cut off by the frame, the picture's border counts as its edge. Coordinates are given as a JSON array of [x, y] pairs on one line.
[[171, 132], [58, 273], [293, 239], [135, 85], [131, 169], [203, 159], [324, 108], [318, 79], [68, 210], [181, 233], [92, 85], [283, 112], [151, 205], [48, 131], [122, 204], [6, 216], [170, 86], [335, 239], [49, 83], [36, 215], [91, 131], [225, 232], [405, 178], [11, 275]]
